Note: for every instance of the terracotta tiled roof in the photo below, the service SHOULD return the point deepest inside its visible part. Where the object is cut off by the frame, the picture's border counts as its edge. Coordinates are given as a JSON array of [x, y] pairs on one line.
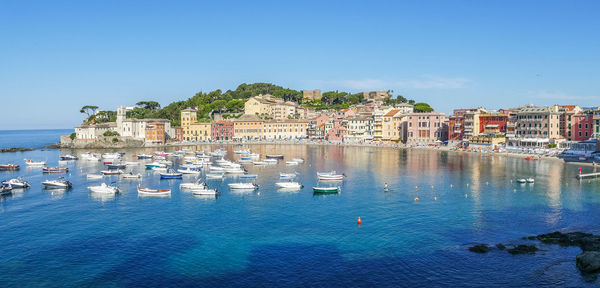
[[392, 113]]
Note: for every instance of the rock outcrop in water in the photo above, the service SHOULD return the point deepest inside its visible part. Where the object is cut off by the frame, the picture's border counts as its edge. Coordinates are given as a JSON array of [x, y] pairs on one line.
[[20, 149], [588, 262]]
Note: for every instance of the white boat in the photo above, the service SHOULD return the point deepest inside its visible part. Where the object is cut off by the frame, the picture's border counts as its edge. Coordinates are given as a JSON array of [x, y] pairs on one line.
[[243, 186], [299, 160], [111, 172], [254, 155], [131, 175], [289, 185], [291, 163], [245, 151], [111, 156], [215, 168], [104, 189], [155, 164], [57, 184], [214, 176], [530, 180], [30, 162], [270, 161], [326, 173], [160, 169], [205, 192], [94, 176], [332, 177], [68, 157], [259, 163], [153, 192], [188, 171], [234, 171], [522, 180], [196, 185], [17, 183], [287, 175], [132, 163]]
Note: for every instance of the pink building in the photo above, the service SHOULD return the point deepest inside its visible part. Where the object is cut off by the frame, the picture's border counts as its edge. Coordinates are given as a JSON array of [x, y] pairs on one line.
[[316, 127], [335, 130], [580, 127], [424, 128], [222, 130]]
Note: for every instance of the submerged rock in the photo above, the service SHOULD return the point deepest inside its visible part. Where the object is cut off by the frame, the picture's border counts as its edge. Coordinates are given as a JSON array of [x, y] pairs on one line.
[[500, 246], [586, 241], [589, 262], [479, 248], [523, 249]]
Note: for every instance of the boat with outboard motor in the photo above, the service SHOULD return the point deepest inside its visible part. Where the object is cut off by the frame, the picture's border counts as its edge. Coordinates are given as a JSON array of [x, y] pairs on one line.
[[30, 162], [9, 167], [104, 189], [57, 184], [55, 169], [17, 183]]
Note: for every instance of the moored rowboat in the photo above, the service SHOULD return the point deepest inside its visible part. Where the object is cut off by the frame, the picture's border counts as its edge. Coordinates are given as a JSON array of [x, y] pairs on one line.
[[154, 192], [326, 189]]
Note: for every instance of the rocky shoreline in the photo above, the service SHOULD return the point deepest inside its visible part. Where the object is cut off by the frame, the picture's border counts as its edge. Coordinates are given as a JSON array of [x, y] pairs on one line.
[[588, 262]]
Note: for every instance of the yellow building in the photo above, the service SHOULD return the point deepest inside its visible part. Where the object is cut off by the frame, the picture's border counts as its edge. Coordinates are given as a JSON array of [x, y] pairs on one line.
[[285, 129], [248, 127], [191, 128], [391, 125], [261, 105]]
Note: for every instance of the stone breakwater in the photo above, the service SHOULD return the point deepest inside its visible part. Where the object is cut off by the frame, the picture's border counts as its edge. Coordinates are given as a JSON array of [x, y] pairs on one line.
[[588, 262]]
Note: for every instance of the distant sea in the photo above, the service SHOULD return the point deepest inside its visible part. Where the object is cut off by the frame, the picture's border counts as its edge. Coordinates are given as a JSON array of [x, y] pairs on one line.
[[31, 138]]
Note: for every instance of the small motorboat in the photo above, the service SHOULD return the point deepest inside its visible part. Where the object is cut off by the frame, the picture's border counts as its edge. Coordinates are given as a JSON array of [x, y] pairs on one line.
[[254, 155], [111, 172], [112, 156], [326, 189], [17, 183], [270, 161], [131, 175], [299, 160], [5, 188], [530, 180], [214, 176], [234, 171], [326, 173], [243, 186], [68, 157], [188, 170], [144, 156], [104, 189], [332, 177], [57, 184], [244, 151], [55, 169], [171, 174], [30, 162], [160, 169], [205, 192], [259, 163], [115, 166], [155, 164], [215, 168], [291, 163], [248, 176], [287, 175], [132, 163], [289, 185], [196, 185], [9, 167], [522, 180], [94, 176], [275, 156], [153, 192]]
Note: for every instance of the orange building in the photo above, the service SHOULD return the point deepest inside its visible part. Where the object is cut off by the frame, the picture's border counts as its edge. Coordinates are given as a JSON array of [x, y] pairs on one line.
[[155, 132]]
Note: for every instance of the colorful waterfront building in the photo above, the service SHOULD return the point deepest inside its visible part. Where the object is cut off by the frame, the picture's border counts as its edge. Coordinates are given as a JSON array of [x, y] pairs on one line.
[[192, 130], [316, 129], [536, 127], [359, 129], [285, 129], [155, 133], [222, 130], [248, 127], [391, 125], [424, 128]]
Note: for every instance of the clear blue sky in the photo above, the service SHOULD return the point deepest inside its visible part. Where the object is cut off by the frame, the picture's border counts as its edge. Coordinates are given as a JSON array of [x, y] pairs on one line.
[[57, 56]]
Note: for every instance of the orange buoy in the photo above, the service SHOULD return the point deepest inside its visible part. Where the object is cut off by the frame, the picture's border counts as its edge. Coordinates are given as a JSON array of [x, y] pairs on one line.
[[358, 221], [416, 187], [416, 199]]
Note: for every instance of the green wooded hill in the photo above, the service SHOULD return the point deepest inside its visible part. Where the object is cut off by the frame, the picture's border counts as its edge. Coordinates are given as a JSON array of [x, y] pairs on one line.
[[232, 101]]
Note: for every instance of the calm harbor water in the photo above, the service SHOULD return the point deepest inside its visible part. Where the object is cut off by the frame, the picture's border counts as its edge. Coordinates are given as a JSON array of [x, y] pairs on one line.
[[271, 237]]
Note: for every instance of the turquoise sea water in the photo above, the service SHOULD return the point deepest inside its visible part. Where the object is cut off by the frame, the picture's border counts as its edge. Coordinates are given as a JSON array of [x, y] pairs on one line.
[[272, 238]]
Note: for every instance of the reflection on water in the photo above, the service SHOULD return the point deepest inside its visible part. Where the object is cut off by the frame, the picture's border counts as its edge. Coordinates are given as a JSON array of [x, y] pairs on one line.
[[245, 237]]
